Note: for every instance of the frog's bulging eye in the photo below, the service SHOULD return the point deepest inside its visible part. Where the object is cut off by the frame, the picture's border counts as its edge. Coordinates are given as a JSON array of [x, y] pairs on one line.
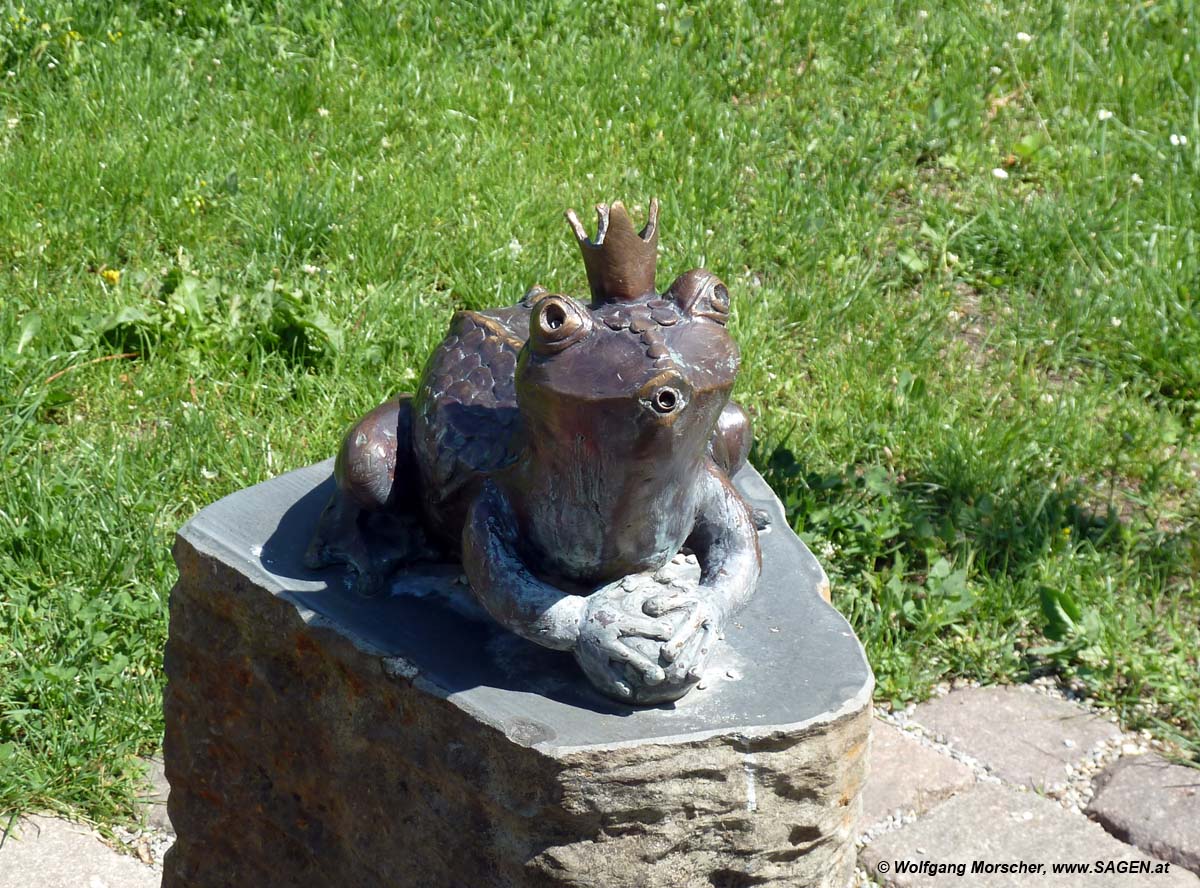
[[553, 318], [557, 322], [701, 294], [665, 400], [665, 396]]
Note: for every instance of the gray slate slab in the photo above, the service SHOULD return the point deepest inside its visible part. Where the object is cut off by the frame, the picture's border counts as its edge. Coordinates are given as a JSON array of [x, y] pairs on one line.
[[1153, 804], [789, 658], [1000, 825], [44, 852], [905, 775], [1021, 736]]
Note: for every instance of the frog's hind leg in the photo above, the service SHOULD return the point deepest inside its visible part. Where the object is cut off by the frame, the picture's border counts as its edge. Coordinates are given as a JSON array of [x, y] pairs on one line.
[[730, 448], [371, 521], [730, 444]]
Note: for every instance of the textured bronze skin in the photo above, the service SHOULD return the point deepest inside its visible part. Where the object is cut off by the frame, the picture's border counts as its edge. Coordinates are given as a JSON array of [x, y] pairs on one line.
[[567, 451]]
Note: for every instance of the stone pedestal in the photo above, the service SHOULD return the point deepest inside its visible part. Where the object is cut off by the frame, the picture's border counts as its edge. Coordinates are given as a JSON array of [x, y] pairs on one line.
[[315, 738]]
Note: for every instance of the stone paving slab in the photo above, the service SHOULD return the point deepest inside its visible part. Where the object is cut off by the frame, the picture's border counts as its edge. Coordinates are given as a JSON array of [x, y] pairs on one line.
[[906, 776], [153, 799], [1021, 736], [1153, 804], [44, 852], [999, 825]]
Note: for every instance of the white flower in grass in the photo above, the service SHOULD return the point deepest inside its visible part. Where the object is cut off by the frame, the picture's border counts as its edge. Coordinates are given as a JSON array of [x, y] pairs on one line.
[[1116, 322], [12, 122], [514, 248], [1000, 173], [309, 269], [995, 71], [922, 13], [1178, 140], [322, 112], [1104, 114], [1024, 38], [1136, 180]]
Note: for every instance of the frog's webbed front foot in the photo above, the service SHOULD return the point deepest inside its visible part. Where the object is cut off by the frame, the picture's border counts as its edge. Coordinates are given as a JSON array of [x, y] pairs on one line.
[[369, 522], [624, 638], [614, 640], [725, 541]]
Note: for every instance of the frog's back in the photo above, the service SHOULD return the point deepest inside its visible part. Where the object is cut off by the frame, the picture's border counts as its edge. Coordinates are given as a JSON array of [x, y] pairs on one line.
[[465, 420]]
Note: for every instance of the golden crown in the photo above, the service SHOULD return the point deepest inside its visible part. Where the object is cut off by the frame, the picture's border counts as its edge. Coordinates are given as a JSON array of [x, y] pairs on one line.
[[620, 262]]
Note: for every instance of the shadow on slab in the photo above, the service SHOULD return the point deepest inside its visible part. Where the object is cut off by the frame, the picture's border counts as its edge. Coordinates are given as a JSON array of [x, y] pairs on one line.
[[430, 619]]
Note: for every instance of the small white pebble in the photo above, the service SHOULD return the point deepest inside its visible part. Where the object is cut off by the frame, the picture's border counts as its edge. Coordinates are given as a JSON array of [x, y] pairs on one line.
[[1069, 743]]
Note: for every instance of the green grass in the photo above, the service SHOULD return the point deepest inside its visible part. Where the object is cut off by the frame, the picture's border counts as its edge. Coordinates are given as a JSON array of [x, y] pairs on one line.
[[978, 396]]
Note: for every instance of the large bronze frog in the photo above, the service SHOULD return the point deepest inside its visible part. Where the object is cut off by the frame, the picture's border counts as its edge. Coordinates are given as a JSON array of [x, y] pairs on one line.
[[567, 451]]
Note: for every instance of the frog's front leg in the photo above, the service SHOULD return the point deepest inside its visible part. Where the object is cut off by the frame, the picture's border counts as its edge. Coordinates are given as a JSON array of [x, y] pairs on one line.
[[595, 627], [725, 542]]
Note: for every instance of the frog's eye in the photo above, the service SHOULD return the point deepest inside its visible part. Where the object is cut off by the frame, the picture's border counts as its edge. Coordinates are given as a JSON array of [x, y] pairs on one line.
[[700, 293], [556, 323], [665, 395], [666, 400]]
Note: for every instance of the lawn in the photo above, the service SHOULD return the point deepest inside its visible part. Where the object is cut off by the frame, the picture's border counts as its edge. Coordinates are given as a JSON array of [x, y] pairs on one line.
[[962, 242]]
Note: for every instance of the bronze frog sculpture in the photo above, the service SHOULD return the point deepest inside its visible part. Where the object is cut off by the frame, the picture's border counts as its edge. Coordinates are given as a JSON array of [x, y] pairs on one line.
[[567, 452]]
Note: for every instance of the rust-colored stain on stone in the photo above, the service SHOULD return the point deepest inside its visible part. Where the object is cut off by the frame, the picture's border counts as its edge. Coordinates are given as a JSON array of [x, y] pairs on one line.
[[305, 645]]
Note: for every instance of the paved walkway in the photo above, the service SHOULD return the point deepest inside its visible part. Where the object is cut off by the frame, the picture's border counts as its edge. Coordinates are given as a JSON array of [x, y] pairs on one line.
[[989, 779], [984, 786], [45, 852]]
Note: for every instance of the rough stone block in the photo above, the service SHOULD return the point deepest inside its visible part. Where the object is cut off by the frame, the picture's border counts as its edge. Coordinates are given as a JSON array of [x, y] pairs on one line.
[[44, 852], [905, 775], [998, 825], [1021, 736], [1153, 804], [316, 738]]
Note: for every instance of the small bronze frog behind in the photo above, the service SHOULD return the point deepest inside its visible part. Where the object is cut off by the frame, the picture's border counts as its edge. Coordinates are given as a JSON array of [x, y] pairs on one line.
[[567, 451]]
